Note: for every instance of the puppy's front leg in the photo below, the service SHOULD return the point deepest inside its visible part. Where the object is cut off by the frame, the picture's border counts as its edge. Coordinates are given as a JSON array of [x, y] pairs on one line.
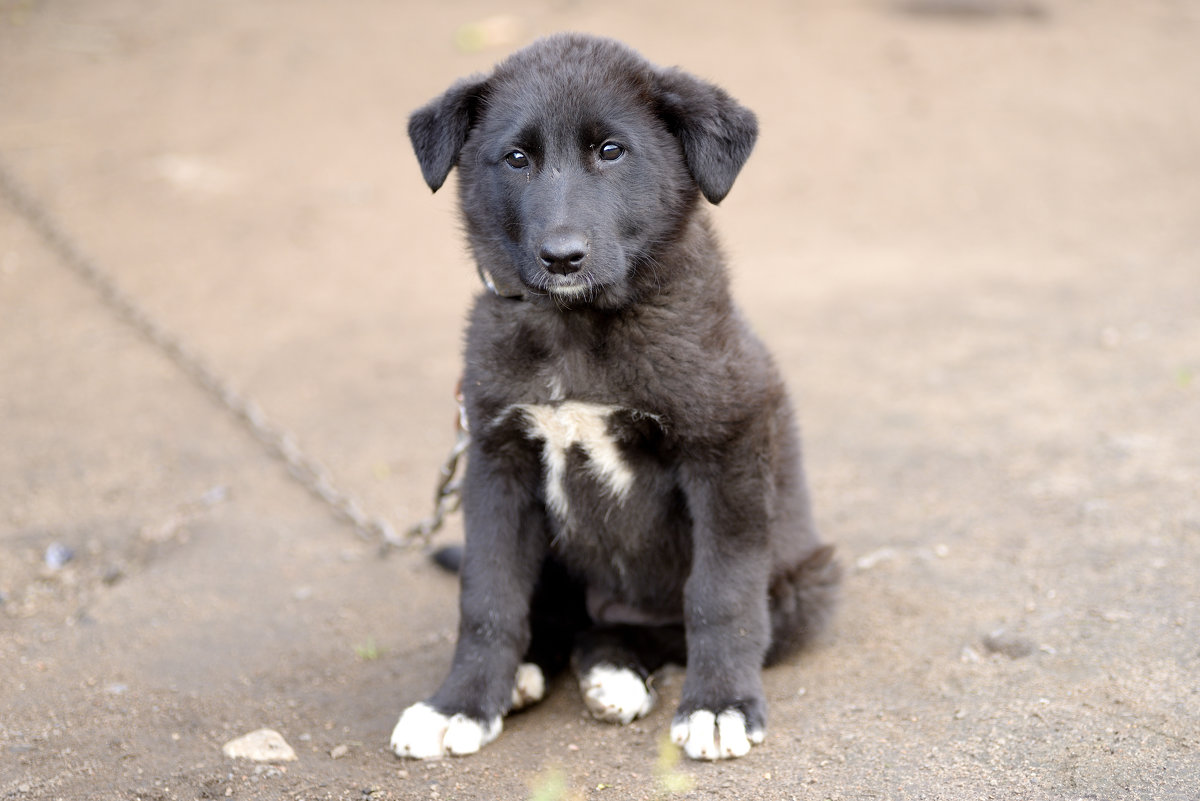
[[504, 547], [723, 710]]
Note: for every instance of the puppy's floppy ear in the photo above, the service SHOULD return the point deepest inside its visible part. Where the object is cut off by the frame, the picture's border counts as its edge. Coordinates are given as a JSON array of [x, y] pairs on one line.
[[439, 129], [716, 132]]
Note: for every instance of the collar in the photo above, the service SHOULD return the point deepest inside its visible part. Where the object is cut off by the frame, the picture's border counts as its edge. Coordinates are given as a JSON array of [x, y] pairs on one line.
[[500, 289]]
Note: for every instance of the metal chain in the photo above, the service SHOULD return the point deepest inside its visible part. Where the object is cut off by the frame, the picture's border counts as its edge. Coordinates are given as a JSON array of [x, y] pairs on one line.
[[280, 442], [447, 496]]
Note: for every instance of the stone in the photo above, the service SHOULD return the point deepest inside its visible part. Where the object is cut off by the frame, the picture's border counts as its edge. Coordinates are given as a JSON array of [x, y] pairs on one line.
[[1011, 645], [264, 745]]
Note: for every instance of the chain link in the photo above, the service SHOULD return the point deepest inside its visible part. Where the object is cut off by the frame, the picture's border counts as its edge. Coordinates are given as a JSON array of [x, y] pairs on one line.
[[279, 441], [447, 497]]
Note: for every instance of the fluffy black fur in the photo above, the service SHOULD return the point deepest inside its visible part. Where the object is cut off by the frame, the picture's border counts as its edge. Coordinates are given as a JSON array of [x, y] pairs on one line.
[[612, 291]]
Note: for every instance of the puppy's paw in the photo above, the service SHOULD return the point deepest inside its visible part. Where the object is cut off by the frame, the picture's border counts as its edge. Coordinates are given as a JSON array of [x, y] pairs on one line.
[[424, 733], [615, 695], [529, 687], [705, 734]]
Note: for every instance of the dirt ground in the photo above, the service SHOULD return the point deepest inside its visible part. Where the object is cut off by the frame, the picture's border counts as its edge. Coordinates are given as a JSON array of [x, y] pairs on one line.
[[970, 232]]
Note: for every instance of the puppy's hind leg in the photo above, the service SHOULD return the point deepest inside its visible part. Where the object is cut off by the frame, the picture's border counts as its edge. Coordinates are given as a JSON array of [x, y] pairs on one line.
[[557, 614], [801, 600], [614, 664]]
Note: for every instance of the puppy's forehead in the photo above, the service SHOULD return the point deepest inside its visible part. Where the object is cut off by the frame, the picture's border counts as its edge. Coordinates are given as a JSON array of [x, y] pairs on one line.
[[582, 82], [572, 62]]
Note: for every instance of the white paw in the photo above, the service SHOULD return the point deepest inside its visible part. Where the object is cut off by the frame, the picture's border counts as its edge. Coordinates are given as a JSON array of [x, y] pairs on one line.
[[530, 686], [615, 695], [705, 735], [424, 733]]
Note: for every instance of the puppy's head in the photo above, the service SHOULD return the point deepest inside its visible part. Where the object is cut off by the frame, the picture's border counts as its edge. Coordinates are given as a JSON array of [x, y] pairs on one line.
[[579, 163]]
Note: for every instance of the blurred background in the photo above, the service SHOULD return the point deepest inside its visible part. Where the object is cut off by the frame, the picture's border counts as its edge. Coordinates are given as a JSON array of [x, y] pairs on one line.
[[970, 232]]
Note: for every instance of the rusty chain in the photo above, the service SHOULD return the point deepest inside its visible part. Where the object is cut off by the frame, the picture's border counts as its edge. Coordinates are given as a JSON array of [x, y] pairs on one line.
[[279, 441]]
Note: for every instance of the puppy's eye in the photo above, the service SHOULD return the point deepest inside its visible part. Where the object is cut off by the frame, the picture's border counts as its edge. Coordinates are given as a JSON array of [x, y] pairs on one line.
[[611, 151], [517, 160]]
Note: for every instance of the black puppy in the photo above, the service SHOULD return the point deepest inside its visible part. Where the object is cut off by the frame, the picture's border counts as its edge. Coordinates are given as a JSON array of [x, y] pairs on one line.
[[634, 493]]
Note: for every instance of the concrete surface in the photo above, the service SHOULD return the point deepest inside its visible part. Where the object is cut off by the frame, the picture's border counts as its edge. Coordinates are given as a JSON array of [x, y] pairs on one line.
[[971, 233]]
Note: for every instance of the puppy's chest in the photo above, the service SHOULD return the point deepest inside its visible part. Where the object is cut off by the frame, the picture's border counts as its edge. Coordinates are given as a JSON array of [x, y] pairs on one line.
[[592, 454]]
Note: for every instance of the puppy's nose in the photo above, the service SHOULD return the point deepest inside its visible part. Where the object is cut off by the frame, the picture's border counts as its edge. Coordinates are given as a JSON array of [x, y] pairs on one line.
[[563, 252]]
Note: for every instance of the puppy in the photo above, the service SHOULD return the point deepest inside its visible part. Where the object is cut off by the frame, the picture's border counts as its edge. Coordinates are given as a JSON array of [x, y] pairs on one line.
[[634, 492]]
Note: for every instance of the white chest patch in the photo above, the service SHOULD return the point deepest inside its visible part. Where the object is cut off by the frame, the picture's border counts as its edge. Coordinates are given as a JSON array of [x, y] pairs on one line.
[[564, 425]]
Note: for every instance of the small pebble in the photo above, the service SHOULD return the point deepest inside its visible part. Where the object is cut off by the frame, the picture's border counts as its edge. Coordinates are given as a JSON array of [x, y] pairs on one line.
[[875, 557], [1012, 646], [57, 555], [339, 751]]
